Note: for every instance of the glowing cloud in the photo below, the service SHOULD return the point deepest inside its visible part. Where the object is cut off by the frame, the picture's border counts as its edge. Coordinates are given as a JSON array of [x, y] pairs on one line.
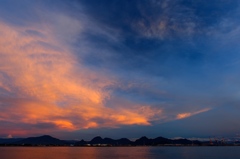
[[42, 83], [9, 136], [188, 114]]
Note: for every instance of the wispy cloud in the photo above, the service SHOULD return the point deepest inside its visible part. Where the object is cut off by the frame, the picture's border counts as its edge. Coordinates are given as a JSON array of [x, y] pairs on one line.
[[42, 81], [189, 114], [182, 19]]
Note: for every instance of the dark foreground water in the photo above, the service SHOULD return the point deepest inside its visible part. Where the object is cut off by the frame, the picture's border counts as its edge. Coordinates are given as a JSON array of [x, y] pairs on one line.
[[120, 152]]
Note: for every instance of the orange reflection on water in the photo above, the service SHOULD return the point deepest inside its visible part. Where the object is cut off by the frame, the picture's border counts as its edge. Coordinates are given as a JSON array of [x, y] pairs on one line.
[[76, 152]]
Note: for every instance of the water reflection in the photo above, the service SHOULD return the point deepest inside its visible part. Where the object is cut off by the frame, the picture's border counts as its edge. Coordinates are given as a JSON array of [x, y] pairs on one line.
[[74, 152], [119, 152]]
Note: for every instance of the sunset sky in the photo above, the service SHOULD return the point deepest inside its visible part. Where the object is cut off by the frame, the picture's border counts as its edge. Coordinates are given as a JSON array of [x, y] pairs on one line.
[[76, 69]]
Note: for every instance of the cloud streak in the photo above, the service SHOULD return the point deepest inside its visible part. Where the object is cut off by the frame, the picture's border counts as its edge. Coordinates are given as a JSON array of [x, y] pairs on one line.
[[189, 114]]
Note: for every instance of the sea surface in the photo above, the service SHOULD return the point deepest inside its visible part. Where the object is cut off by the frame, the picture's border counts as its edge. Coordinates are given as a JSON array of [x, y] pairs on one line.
[[120, 152]]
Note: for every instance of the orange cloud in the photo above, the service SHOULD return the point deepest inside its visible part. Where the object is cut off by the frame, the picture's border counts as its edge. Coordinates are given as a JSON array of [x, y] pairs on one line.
[[41, 81], [183, 115], [188, 114]]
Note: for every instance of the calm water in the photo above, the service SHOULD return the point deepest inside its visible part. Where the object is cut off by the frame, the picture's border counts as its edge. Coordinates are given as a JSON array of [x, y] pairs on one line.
[[120, 152]]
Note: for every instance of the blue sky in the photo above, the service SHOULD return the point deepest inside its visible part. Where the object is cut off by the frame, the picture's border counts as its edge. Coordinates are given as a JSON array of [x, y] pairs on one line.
[[81, 68]]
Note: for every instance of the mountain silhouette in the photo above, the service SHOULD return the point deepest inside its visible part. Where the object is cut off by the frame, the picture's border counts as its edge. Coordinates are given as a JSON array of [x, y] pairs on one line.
[[143, 141], [97, 140], [107, 141], [47, 140], [42, 140], [124, 142]]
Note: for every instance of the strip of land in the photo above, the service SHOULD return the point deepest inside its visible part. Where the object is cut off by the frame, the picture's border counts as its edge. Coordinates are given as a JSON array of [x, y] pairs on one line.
[[47, 140]]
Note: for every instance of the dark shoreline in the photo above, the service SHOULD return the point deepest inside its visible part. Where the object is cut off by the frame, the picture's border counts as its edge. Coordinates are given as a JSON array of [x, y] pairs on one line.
[[49, 141]]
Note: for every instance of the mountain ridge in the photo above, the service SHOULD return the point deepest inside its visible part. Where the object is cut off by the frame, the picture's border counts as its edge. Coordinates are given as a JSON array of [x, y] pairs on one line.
[[97, 141]]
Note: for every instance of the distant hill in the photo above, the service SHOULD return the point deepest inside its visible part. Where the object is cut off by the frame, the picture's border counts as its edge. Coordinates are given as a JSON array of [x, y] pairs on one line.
[[42, 140], [107, 141], [164, 141], [143, 141], [47, 140]]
